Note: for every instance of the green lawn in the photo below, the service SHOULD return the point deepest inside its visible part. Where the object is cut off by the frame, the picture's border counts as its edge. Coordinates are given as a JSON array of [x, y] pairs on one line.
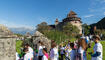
[[89, 50]]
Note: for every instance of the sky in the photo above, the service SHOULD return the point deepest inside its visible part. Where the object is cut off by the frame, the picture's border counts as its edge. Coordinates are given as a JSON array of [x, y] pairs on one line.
[[29, 13]]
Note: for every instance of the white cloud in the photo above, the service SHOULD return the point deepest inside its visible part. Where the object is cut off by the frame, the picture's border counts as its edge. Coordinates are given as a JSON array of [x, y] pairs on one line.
[[15, 25], [97, 6], [99, 1], [88, 16], [104, 13]]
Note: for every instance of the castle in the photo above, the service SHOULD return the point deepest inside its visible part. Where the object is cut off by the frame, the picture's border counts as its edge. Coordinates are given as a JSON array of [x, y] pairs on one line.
[[71, 18]]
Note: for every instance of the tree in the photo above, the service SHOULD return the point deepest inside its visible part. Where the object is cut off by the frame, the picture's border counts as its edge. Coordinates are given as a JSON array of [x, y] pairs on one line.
[[70, 29], [86, 29], [43, 27]]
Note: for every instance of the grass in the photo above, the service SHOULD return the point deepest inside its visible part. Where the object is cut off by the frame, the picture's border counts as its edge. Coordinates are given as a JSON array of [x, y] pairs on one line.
[[91, 49]]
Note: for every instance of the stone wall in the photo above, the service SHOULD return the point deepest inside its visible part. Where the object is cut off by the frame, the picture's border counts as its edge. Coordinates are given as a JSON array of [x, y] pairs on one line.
[[7, 48], [40, 37], [7, 44], [78, 25]]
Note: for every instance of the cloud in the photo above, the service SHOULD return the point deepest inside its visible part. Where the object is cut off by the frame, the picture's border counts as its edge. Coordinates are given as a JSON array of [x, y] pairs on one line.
[[97, 5], [88, 16], [10, 24], [104, 13]]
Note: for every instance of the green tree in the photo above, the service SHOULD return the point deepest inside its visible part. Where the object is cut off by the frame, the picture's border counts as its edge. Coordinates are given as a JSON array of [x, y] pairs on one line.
[[43, 27], [70, 30], [86, 29]]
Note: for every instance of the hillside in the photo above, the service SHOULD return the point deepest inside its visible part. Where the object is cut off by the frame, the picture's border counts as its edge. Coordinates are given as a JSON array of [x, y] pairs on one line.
[[22, 30], [100, 24]]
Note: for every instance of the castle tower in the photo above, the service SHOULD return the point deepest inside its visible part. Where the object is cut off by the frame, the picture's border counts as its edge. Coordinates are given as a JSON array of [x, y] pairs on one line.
[[74, 20], [56, 21], [72, 14]]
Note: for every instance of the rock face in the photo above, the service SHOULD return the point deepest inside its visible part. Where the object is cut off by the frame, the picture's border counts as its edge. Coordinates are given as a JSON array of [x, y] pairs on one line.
[[40, 37], [7, 44]]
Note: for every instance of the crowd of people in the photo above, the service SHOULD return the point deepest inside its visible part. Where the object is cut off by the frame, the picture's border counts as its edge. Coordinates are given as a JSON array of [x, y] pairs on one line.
[[70, 51]]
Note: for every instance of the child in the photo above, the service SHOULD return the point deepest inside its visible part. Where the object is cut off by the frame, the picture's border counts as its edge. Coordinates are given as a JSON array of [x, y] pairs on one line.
[[45, 57]]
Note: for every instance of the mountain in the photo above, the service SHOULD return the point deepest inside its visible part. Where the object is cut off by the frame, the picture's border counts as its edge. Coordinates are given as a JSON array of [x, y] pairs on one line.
[[100, 24], [22, 30]]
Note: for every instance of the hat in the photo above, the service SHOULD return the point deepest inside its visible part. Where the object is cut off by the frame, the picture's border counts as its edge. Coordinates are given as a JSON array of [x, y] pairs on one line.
[[97, 36]]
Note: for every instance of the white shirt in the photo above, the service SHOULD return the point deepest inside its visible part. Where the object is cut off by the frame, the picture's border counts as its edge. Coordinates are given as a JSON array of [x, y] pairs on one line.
[[28, 56], [40, 53], [30, 50], [44, 58], [80, 50], [98, 48], [17, 56], [54, 54]]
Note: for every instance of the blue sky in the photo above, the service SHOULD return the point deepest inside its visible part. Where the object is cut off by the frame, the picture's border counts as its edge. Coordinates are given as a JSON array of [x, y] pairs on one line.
[[29, 13]]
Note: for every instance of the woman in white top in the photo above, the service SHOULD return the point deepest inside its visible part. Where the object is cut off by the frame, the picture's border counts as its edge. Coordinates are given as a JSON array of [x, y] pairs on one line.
[[81, 49]]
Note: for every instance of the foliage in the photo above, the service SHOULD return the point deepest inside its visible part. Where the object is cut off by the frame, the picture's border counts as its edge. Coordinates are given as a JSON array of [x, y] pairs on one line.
[[43, 27], [58, 36], [97, 32], [19, 46], [86, 29], [70, 29], [29, 41]]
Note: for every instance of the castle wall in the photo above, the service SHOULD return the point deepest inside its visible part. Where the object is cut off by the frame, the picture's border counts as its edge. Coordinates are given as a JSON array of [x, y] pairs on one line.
[[78, 24], [7, 48]]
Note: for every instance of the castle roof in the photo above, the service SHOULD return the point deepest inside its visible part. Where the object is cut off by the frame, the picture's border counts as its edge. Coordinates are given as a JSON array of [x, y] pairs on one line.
[[56, 20], [72, 13]]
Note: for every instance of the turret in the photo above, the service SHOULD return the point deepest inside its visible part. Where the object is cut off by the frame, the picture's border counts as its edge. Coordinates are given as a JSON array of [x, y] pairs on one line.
[[56, 21]]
